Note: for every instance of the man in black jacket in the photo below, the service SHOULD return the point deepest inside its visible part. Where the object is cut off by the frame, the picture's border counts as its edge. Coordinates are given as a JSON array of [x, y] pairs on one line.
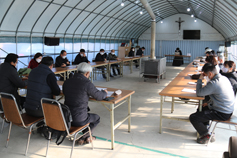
[[77, 91], [10, 80], [140, 51], [112, 56], [101, 56], [42, 83], [81, 57], [61, 60]]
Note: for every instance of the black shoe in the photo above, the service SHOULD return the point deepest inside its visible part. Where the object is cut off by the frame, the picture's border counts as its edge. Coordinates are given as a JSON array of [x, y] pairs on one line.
[[104, 77], [205, 139], [115, 74], [111, 76]]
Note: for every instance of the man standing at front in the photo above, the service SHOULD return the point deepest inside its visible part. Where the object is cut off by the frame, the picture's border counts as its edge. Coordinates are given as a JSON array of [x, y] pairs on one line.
[[77, 91], [219, 107]]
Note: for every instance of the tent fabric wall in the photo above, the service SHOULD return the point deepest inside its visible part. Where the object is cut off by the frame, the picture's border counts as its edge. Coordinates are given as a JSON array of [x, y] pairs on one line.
[[194, 47]]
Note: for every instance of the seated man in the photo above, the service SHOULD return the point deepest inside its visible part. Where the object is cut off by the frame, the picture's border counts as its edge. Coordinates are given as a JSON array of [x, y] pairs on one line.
[[61, 60], [10, 80], [101, 56], [140, 51], [221, 105], [81, 57], [112, 56], [131, 54], [77, 91], [221, 61], [42, 83]]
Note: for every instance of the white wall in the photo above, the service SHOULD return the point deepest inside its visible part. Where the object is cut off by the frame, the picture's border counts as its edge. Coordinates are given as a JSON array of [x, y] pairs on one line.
[[169, 29]]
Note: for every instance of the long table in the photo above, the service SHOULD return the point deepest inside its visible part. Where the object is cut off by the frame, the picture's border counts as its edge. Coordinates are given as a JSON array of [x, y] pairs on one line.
[[174, 89], [111, 105], [65, 71]]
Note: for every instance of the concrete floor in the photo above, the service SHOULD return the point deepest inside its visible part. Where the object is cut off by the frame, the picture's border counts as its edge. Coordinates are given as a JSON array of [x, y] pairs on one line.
[[144, 141]]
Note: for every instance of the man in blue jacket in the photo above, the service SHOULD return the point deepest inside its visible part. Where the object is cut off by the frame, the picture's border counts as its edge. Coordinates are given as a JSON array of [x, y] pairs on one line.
[[77, 91], [221, 103]]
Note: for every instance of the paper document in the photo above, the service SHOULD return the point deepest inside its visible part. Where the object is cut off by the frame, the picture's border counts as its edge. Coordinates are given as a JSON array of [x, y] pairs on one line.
[[189, 90], [128, 57], [110, 93], [194, 83], [100, 89], [61, 87], [199, 68]]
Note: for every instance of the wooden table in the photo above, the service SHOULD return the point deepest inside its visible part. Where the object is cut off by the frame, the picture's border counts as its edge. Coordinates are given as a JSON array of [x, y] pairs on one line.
[[184, 56], [174, 89], [111, 105]]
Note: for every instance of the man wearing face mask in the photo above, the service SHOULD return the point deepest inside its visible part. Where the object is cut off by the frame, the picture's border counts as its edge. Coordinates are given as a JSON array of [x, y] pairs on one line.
[[221, 105], [35, 61], [10, 80], [61, 60], [81, 57], [131, 54], [77, 91], [112, 56], [140, 51], [229, 71], [42, 83], [101, 56]]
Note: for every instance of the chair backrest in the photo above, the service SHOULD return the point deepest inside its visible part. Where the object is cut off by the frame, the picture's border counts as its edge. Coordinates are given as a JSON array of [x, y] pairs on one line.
[[10, 109], [53, 114]]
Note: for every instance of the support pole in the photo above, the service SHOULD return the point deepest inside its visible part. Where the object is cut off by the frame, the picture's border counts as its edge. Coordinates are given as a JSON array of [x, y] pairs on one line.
[[153, 39]]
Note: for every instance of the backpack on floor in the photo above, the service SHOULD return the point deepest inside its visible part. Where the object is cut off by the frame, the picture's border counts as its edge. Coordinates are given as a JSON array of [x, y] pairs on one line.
[[62, 134]]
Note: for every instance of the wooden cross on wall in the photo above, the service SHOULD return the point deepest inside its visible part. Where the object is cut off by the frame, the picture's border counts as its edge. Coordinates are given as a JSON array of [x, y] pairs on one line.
[[180, 21]]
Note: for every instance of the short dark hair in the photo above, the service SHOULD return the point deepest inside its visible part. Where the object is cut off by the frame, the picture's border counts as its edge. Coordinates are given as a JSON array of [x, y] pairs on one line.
[[212, 60], [208, 67], [48, 61], [231, 64], [226, 63], [62, 51], [82, 50], [206, 48], [213, 52], [143, 47], [177, 48], [11, 58], [101, 50], [37, 55]]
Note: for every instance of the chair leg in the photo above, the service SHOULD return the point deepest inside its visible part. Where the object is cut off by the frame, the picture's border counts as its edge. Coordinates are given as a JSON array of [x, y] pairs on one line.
[[73, 144], [48, 144], [212, 133], [28, 142], [8, 137], [3, 122], [91, 137]]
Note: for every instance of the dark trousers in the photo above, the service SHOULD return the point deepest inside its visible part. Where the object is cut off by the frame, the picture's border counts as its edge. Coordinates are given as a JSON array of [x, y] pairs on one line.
[[103, 70], [35, 113], [115, 66], [201, 119], [136, 63], [93, 119]]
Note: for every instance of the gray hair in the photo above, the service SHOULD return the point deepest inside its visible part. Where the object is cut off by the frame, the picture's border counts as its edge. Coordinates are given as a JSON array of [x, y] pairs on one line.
[[84, 68]]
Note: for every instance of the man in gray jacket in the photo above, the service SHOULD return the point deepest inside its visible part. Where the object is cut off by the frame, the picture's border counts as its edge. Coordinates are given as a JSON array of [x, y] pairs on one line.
[[10, 80], [221, 103], [77, 91]]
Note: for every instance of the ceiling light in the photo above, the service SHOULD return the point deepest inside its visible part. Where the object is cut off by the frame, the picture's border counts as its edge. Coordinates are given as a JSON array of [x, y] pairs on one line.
[[136, 2], [188, 9], [195, 20], [122, 4], [141, 12], [192, 15], [161, 21]]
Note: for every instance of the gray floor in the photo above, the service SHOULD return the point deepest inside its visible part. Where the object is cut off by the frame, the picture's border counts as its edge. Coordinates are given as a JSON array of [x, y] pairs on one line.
[[178, 138]]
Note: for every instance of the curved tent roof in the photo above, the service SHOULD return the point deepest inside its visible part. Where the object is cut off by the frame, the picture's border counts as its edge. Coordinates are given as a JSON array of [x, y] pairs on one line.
[[107, 18]]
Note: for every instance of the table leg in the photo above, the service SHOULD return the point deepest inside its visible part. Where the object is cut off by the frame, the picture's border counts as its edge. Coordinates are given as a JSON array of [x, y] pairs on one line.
[[65, 76], [92, 76], [108, 72], [200, 105], [121, 69], [172, 105], [129, 113], [131, 61], [161, 106], [112, 125]]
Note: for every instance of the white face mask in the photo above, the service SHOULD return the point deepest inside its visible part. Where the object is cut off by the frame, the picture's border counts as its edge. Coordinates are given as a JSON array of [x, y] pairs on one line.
[[38, 60], [64, 57], [82, 55], [113, 53], [207, 78], [101, 53], [225, 70], [133, 50]]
